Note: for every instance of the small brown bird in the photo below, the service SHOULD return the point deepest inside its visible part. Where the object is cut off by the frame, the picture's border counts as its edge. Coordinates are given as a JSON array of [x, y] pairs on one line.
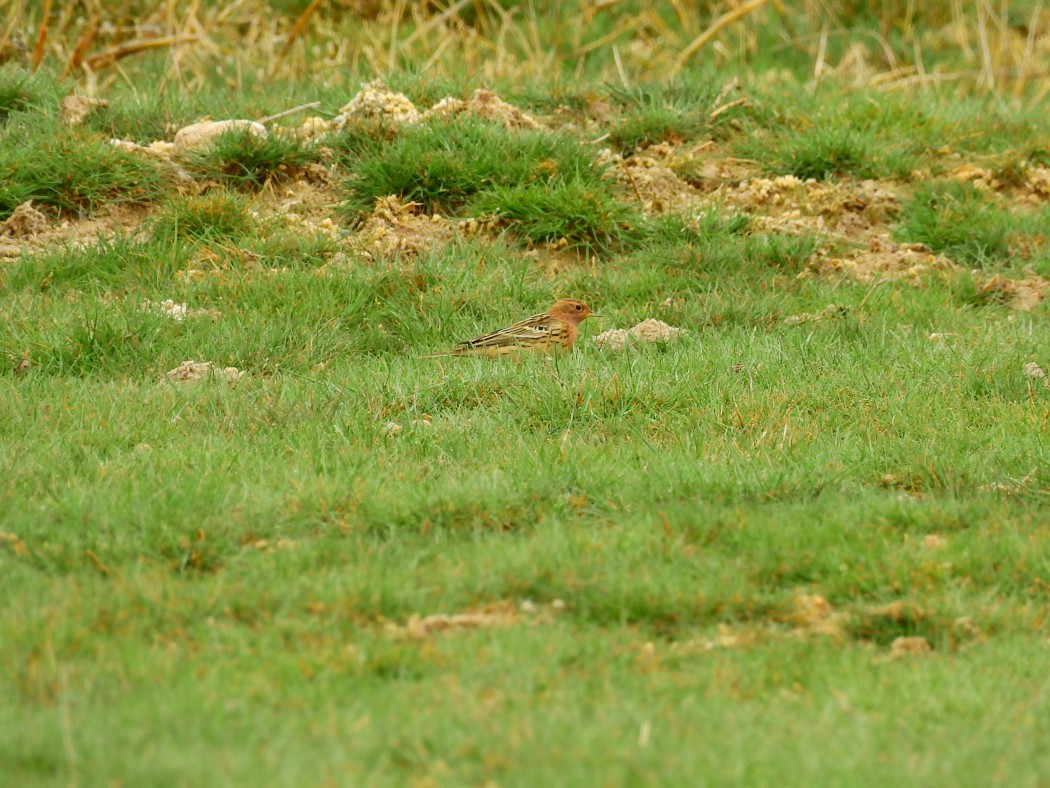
[[543, 333]]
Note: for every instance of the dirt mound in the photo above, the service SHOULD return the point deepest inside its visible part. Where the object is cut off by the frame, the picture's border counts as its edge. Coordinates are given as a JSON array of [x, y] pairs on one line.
[[76, 109], [980, 177], [649, 331], [1036, 373], [304, 204], [203, 135], [195, 371], [830, 312], [1037, 181], [883, 260], [179, 311], [1025, 183], [786, 204], [496, 614], [376, 102], [24, 221], [34, 232], [1024, 294], [400, 228], [648, 178], [483, 104]]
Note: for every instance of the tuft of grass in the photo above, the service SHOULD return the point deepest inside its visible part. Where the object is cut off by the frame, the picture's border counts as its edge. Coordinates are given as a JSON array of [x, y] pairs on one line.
[[654, 113], [214, 216], [242, 161], [819, 153], [13, 193], [71, 171], [789, 252], [957, 219], [582, 213], [444, 164], [143, 119], [359, 139], [22, 90]]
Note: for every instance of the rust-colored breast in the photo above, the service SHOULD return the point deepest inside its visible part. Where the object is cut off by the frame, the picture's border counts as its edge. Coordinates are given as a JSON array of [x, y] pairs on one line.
[[570, 332]]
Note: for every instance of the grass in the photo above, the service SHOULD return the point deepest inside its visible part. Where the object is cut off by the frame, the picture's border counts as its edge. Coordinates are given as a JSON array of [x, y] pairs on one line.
[[652, 113], [958, 219], [217, 216], [443, 164], [584, 214], [70, 171], [821, 155], [21, 90], [143, 119], [244, 161], [661, 495], [837, 134], [685, 562], [547, 187], [690, 496]]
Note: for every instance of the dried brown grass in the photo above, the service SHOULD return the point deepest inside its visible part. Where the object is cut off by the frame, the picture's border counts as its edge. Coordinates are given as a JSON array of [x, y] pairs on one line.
[[980, 47]]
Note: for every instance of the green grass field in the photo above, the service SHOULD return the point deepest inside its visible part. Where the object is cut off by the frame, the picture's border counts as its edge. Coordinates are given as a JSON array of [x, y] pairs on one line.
[[804, 542]]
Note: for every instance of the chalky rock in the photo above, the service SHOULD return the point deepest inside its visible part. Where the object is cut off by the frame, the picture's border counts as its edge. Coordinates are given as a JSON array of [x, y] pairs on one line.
[[204, 134]]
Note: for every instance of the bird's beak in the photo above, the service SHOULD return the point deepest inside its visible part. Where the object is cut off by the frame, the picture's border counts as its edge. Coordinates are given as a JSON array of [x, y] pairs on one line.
[[595, 315]]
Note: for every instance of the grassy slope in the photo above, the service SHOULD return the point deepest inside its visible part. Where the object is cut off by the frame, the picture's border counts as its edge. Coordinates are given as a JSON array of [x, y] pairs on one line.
[[200, 581]]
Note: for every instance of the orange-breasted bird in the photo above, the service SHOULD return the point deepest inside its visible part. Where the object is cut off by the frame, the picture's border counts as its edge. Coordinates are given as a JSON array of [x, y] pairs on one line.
[[555, 329]]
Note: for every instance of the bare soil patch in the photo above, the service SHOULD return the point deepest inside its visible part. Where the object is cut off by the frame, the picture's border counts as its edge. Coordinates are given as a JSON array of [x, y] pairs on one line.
[[33, 231]]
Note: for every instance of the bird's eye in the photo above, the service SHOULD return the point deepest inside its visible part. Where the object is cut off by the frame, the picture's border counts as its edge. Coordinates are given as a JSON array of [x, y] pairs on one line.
[[579, 307]]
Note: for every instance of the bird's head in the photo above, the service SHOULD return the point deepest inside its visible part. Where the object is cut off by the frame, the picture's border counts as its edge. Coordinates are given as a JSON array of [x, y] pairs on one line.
[[571, 311]]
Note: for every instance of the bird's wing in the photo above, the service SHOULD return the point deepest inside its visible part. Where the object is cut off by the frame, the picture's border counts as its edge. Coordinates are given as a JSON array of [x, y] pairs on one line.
[[540, 328]]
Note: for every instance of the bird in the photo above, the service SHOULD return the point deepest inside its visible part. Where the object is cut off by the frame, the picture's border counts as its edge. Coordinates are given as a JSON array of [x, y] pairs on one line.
[[555, 329]]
